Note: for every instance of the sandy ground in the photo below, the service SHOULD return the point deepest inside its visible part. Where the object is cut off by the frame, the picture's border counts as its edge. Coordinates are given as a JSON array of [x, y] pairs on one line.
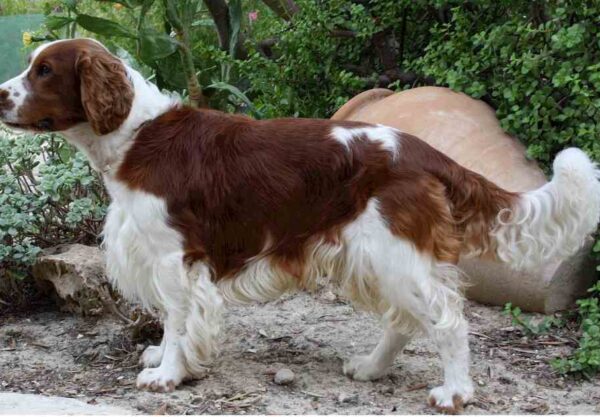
[[95, 360]]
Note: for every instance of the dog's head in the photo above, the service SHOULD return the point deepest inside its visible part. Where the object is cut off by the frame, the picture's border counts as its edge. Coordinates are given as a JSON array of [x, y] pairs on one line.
[[67, 83]]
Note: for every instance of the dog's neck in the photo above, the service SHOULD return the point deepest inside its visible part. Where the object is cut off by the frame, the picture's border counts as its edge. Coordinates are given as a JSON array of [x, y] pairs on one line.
[[106, 152]]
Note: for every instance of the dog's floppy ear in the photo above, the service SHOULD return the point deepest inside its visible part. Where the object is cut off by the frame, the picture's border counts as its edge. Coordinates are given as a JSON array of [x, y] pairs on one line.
[[106, 91]]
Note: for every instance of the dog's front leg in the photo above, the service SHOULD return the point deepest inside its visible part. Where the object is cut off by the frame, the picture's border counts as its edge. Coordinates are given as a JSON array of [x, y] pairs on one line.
[[193, 308], [171, 370], [153, 355]]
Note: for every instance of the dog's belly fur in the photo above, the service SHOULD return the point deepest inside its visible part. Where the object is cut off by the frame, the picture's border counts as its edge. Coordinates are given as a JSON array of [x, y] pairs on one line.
[[145, 262]]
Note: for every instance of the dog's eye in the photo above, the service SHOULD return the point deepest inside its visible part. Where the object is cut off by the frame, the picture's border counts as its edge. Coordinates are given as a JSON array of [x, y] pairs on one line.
[[44, 70]]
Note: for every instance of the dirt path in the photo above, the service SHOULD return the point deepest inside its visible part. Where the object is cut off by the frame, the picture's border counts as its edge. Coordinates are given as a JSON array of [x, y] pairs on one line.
[[55, 353]]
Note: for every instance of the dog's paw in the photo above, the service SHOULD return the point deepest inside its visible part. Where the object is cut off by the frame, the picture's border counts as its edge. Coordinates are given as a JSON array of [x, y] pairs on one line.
[[160, 379], [450, 400], [364, 368], [151, 357]]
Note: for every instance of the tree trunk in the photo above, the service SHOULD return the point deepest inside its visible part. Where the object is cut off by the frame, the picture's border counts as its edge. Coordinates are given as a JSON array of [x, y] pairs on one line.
[[283, 8], [219, 11]]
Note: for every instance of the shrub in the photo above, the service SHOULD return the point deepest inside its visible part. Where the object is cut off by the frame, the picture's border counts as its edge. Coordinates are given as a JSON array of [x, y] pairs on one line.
[[49, 196], [541, 71]]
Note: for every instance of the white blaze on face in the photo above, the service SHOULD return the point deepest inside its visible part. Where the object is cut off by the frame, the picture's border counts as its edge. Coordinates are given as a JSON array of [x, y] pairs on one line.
[[12, 97], [387, 137], [13, 93]]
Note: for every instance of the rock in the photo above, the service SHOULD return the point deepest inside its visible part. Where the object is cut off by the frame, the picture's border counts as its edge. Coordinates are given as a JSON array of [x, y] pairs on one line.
[[12, 403], [284, 377], [345, 398], [386, 390], [468, 131], [76, 273]]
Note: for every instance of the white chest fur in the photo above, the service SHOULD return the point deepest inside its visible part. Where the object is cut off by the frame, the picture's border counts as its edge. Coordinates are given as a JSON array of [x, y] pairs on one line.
[[143, 254]]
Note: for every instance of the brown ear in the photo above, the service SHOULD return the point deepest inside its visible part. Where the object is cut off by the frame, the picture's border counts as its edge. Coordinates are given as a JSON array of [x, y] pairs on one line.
[[106, 92]]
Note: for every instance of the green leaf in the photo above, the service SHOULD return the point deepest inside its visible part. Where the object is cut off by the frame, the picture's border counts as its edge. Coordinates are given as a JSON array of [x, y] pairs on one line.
[[155, 46], [203, 22], [102, 26], [57, 22], [232, 89], [70, 4], [235, 21], [130, 3]]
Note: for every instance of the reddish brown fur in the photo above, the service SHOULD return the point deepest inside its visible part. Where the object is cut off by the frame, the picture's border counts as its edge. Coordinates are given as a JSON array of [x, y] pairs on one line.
[[106, 92], [85, 83], [235, 187]]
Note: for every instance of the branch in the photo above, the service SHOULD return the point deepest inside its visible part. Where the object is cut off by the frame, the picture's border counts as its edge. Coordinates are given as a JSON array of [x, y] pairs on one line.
[[403, 77], [388, 56], [285, 9], [265, 47], [219, 11], [197, 99]]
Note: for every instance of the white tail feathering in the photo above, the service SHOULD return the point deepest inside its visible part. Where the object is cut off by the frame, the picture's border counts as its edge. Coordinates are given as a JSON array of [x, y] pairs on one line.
[[553, 221]]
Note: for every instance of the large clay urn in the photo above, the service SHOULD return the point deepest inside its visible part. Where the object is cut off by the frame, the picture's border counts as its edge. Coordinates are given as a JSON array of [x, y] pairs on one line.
[[468, 131]]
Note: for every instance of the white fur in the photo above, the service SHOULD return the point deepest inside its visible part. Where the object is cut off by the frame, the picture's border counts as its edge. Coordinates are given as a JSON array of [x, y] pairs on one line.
[[554, 220], [387, 137], [15, 85], [374, 365], [387, 275], [145, 262]]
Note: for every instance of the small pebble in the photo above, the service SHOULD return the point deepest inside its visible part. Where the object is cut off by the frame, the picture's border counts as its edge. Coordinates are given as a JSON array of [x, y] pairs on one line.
[[387, 390], [344, 398], [284, 377]]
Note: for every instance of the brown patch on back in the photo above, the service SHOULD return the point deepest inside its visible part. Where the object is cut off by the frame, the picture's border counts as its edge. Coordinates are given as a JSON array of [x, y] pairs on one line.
[[234, 185], [236, 188]]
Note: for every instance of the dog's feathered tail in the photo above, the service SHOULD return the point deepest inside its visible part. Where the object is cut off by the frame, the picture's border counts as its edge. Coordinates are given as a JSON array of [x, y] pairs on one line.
[[524, 229], [553, 221]]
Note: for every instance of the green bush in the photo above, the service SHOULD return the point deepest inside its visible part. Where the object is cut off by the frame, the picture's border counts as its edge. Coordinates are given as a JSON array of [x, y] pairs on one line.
[[586, 358], [543, 77], [49, 196]]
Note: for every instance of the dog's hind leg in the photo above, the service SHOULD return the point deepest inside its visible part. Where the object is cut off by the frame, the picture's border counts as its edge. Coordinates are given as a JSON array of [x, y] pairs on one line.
[[441, 315], [414, 290], [375, 364]]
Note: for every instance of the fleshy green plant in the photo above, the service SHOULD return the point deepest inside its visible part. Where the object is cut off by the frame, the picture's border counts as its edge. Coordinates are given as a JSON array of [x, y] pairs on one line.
[[49, 196], [530, 328], [586, 358]]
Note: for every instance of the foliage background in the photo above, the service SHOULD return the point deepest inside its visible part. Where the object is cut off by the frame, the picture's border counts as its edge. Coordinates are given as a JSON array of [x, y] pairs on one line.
[[536, 62]]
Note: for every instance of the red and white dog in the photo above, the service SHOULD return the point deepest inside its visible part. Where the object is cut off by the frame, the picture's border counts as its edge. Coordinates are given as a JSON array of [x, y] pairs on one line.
[[209, 207]]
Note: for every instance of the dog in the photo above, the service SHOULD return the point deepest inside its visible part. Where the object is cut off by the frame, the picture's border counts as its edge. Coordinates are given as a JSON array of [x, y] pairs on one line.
[[209, 208]]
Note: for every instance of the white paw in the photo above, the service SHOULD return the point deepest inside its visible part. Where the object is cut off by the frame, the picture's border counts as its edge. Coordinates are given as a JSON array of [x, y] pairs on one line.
[[364, 368], [152, 356], [161, 379], [450, 400]]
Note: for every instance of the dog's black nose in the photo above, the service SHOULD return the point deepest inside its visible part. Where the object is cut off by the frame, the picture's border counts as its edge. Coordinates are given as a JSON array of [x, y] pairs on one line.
[[45, 123], [5, 103]]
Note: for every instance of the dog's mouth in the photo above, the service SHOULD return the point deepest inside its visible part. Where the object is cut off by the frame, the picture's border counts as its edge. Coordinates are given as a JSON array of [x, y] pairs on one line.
[[42, 125]]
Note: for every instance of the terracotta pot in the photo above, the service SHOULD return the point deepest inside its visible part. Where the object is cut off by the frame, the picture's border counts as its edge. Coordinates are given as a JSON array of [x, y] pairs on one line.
[[468, 131]]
